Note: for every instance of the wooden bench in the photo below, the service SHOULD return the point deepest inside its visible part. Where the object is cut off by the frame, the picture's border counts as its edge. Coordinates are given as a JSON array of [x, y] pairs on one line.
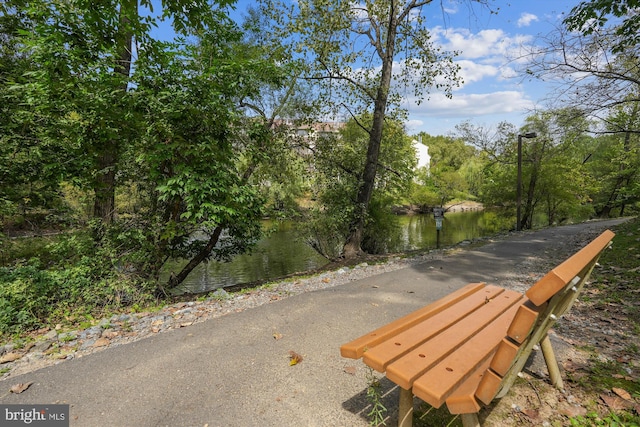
[[468, 348]]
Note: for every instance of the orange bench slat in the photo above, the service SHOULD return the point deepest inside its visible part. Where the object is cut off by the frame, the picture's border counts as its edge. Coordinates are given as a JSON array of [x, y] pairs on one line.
[[440, 381], [524, 321], [386, 352], [415, 363], [504, 356], [557, 278], [356, 348], [488, 387]]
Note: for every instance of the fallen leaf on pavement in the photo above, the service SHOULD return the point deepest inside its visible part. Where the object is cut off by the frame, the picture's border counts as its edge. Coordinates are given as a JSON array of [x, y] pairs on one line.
[[20, 387], [351, 370], [294, 358]]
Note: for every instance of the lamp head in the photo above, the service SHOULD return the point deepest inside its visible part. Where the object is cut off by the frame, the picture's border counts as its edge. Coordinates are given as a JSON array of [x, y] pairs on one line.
[[530, 135]]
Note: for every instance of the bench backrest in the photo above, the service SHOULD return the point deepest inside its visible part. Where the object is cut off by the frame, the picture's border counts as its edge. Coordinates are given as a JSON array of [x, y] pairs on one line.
[[547, 300]]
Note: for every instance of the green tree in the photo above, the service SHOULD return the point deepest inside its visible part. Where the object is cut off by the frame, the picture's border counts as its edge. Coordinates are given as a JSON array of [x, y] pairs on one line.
[[83, 76], [472, 170], [422, 192], [170, 130], [443, 181], [31, 168], [496, 154], [351, 49], [200, 152], [554, 180], [339, 160], [615, 161], [592, 17], [594, 58], [280, 105], [447, 153]]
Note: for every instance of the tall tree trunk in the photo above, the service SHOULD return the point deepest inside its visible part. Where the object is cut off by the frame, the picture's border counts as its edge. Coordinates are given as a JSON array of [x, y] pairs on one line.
[[352, 247], [175, 280], [605, 211], [527, 217], [107, 151]]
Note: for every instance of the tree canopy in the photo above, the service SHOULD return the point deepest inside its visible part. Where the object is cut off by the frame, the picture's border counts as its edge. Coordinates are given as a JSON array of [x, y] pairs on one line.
[[590, 17], [349, 50]]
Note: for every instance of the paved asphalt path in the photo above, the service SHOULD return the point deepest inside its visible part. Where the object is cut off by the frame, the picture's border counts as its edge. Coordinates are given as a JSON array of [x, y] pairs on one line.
[[230, 371]]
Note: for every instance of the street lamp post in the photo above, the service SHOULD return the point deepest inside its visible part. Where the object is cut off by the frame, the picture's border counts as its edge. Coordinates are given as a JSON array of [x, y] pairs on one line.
[[519, 189]]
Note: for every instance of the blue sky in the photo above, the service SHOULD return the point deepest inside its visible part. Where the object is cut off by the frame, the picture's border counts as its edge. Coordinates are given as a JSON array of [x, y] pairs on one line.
[[493, 89]]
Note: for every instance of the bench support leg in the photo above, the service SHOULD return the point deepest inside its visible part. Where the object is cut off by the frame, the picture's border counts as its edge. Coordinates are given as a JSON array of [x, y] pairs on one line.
[[470, 420], [405, 408], [552, 363]]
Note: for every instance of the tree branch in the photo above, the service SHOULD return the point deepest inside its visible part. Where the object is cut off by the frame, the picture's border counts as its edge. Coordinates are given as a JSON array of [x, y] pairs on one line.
[[331, 76]]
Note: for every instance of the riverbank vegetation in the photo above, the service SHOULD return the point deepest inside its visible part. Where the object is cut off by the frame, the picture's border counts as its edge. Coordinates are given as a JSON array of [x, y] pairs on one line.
[[123, 151]]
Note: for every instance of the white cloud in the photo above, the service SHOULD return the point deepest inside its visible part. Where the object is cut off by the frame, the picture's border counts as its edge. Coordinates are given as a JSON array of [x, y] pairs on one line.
[[487, 60], [469, 45], [471, 71], [413, 125], [507, 73], [492, 45], [472, 105], [526, 19]]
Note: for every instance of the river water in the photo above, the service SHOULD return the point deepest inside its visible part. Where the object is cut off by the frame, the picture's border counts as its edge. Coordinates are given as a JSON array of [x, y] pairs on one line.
[[283, 253]]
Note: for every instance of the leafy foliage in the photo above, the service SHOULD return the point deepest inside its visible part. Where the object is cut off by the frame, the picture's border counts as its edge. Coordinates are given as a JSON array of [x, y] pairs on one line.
[[444, 180], [171, 127], [592, 16], [555, 182], [78, 278], [339, 160], [334, 40]]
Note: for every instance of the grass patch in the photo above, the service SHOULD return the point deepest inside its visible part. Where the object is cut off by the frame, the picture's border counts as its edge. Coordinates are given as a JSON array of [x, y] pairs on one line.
[[607, 375], [593, 419], [618, 281], [427, 416], [617, 293]]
